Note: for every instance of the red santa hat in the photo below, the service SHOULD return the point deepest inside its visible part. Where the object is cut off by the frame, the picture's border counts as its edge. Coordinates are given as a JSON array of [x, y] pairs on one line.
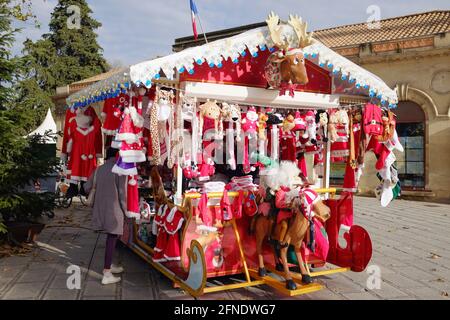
[[127, 129], [310, 115], [132, 153], [299, 122], [251, 109]]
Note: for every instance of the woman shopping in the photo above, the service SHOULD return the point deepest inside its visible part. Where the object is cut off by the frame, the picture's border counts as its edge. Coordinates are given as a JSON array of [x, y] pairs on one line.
[[109, 207]]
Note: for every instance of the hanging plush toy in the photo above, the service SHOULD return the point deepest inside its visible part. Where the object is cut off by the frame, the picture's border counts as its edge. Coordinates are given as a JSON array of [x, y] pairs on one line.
[[188, 107], [288, 139], [231, 113], [249, 126], [311, 128], [322, 124], [262, 125], [332, 123], [211, 112], [340, 149]]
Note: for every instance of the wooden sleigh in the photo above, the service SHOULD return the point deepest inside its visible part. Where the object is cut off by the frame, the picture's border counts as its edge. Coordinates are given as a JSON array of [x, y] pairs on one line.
[[350, 250]]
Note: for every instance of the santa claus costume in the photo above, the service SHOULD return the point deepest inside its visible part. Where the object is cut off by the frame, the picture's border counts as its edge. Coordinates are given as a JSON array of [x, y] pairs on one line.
[[160, 232], [172, 225], [340, 148], [71, 113], [83, 147]]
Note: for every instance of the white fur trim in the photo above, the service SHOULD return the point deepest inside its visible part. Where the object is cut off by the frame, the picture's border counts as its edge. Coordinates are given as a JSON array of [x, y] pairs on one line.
[[63, 157], [126, 136], [172, 258], [171, 214], [124, 172], [85, 132], [137, 119], [131, 156], [160, 260], [180, 224], [69, 146], [76, 178], [116, 144], [133, 215], [109, 132]]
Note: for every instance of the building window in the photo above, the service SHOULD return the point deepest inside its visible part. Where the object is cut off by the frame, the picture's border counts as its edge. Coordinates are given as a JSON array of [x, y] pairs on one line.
[[411, 132]]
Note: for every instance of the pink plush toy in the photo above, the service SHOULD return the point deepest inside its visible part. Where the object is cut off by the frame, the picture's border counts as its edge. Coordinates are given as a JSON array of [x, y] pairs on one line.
[[249, 127], [250, 123]]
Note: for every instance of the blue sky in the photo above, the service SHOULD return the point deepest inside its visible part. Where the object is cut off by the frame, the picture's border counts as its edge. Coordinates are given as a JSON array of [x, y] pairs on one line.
[[138, 30]]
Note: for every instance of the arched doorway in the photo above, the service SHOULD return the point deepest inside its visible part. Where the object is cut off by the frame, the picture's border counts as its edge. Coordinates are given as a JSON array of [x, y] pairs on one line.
[[411, 128]]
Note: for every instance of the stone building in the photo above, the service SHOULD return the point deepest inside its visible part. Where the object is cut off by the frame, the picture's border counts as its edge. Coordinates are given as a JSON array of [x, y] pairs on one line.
[[411, 53]]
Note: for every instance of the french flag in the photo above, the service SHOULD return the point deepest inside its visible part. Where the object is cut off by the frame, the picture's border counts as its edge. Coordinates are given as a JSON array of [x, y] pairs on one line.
[[194, 13]]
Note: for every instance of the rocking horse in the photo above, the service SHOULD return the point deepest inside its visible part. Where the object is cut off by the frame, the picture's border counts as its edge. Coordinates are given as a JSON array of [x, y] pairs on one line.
[[290, 231]]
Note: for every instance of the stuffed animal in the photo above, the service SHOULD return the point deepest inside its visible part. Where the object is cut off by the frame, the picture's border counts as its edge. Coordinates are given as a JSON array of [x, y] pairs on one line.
[[249, 126], [322, 125], [262, 125], [288, 124], [250, 122], [332, 130], [389, 124], [188, 107], [232, 114], [311, 128], [211, 111], [342, 118]]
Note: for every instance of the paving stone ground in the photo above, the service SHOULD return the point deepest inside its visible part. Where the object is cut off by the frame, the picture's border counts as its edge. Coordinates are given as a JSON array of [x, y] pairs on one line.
[[410, 243]]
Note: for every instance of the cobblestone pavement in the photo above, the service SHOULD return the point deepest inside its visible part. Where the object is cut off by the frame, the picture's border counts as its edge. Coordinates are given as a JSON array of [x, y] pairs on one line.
[[410, 242]]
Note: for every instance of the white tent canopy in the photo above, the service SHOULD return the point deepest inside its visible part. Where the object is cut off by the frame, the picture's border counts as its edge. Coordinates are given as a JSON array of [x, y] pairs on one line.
[[48, 126], [358, 80]]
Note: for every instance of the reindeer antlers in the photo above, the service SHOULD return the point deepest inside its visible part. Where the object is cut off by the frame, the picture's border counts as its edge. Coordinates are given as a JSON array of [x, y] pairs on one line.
[[275, 32], [300, 27]]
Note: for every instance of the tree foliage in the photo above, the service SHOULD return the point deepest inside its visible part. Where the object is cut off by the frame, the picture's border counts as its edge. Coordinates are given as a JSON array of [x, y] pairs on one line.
[[67, 53], [22, 160]]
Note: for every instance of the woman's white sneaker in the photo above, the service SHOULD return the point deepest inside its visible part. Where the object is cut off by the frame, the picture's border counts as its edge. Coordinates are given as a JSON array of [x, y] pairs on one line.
[[109, 278], [116, 269]]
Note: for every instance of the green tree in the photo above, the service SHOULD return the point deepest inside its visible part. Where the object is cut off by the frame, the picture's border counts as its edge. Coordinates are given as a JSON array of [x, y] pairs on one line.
[[21, 159], [8, 65], [70, 51]]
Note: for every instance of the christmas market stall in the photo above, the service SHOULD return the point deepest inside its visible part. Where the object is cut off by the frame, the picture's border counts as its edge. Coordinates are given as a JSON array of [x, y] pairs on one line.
[[228, 149]]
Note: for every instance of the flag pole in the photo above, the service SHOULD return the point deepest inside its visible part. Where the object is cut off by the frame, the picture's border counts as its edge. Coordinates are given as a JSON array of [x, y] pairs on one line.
[[201, 27]]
